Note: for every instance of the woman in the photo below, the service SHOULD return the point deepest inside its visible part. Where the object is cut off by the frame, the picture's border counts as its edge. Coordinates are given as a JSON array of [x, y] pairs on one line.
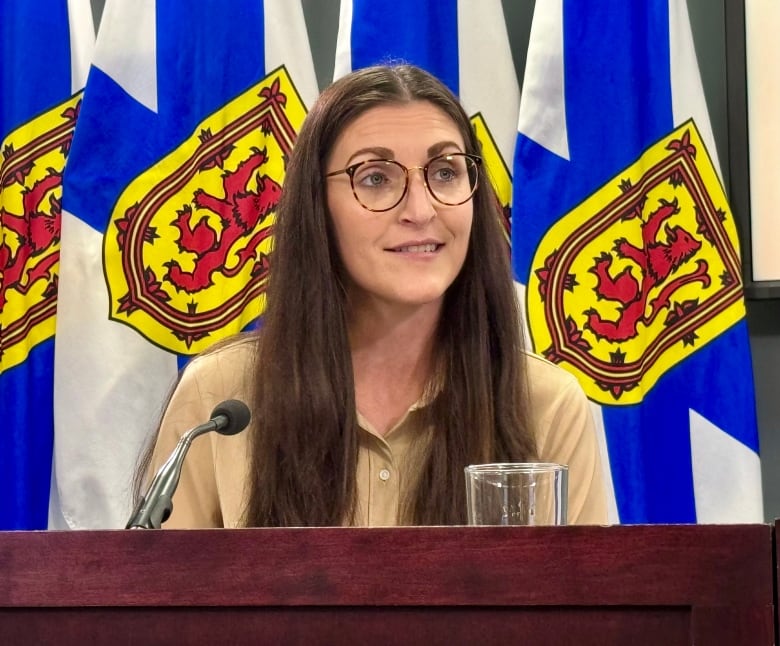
[[391, 351]]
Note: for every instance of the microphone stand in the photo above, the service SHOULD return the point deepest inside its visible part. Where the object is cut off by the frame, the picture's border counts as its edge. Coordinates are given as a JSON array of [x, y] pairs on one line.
[[228, 418], [155, 507]]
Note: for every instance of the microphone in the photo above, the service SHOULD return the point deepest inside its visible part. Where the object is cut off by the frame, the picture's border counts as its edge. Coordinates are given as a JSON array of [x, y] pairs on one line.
[[228, 418]]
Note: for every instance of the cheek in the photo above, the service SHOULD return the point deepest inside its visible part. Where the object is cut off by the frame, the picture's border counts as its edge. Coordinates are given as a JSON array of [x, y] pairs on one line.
[[469, 222], [349, 228], [464, 234], [333, 203], [465, 225], [339, 216]]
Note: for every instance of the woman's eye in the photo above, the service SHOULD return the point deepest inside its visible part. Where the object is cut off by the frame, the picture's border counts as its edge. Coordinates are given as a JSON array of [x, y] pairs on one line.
[[444, 174], [375, 176], [373, 179]]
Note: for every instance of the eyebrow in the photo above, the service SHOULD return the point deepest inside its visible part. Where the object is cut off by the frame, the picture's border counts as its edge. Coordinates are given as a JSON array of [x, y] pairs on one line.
[[385, 153], [379, 151], [441, 146]]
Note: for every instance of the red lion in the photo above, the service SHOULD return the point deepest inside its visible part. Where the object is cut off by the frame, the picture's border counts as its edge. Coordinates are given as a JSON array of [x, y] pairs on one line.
[[240, 211], [37, 232], [658, 261]]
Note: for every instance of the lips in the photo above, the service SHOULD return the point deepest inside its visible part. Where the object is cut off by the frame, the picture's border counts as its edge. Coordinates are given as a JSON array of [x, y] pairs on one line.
[[428, 247]]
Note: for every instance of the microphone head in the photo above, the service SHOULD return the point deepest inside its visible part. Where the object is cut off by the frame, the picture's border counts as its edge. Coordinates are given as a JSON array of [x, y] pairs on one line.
[[237, 414]]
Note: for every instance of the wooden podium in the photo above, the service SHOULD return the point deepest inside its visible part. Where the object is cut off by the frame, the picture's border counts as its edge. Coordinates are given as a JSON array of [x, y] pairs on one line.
[[661, 584]]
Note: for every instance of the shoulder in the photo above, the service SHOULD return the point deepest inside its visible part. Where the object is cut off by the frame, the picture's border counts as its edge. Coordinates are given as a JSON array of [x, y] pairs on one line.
[[221, 372], [558, 405], [225, 366], [546, 381], [210, 488]]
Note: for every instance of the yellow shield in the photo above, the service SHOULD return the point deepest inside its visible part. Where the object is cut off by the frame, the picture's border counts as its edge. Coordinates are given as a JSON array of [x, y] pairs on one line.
[[640, 274], [186, 252], [30, 216]]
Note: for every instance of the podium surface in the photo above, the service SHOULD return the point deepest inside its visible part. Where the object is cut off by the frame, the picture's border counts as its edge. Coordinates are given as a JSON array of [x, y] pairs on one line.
[[652, 584]]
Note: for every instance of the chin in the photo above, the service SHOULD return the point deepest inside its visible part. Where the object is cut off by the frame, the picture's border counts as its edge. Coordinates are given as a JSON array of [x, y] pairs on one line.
[[422, 298], [405, 292]]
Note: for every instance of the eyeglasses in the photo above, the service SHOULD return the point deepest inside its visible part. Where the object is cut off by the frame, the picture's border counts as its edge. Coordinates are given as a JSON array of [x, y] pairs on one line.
[[380, 184]]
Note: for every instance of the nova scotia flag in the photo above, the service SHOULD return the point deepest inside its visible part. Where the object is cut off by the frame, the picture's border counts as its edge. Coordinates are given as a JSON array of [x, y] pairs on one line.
[[189, 113], [46, 48], [624, 240]]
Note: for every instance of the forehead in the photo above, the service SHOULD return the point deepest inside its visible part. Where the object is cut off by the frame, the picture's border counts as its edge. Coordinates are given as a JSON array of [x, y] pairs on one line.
[[398, 127]]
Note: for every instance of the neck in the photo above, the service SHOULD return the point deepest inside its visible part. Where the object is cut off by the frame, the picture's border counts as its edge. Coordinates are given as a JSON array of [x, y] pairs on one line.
[[392, 359], [393, 331]]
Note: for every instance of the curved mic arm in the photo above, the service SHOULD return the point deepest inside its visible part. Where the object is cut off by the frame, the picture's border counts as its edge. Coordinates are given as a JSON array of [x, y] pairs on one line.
[[228, 418], [156, 505]]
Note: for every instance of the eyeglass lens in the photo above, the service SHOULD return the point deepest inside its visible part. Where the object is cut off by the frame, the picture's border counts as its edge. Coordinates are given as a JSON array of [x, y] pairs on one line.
[[381, 184]]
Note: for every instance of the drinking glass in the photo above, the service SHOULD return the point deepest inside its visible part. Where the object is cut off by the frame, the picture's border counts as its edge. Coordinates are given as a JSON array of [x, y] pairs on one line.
[[519, 493]]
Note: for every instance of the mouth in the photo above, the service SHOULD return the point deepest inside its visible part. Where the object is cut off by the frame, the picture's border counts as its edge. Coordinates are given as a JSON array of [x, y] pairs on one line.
[[430, 247]]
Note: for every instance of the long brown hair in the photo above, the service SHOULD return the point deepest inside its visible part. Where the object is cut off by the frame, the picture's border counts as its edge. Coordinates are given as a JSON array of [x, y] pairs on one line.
[[305, 448]]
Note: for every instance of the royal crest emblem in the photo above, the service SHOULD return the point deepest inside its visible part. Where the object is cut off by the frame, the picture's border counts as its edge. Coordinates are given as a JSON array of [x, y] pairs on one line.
[[186, 253], [639, 275], [33, 159]]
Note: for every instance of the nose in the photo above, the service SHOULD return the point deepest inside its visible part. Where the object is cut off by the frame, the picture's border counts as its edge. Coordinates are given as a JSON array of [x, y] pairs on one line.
[[418, 207]]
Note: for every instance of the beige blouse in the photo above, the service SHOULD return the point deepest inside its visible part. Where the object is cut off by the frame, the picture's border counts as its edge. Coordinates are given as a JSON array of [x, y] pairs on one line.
[[211, 490]]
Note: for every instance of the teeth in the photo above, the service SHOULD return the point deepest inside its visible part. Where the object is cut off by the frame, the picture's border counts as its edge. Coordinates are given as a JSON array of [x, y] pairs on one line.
[[418, 248]]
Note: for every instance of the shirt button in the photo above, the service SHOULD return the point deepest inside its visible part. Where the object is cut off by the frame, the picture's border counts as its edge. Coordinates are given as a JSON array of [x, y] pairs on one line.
[[384, 474]]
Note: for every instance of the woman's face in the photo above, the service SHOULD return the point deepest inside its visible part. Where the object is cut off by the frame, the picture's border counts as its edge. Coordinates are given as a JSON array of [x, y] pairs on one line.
[[410, 254]]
